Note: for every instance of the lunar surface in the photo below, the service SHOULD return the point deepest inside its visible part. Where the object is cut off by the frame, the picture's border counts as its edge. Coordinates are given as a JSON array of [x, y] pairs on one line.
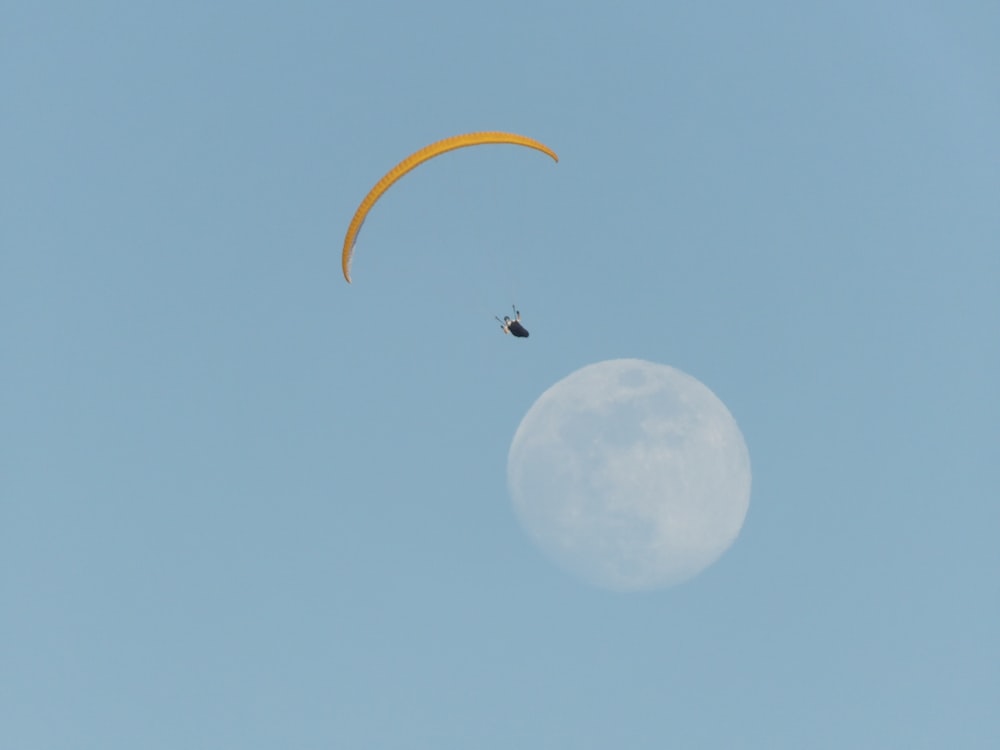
[[630, 474]]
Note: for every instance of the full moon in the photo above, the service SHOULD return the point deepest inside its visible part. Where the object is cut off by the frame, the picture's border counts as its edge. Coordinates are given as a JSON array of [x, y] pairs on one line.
[[630, 474]]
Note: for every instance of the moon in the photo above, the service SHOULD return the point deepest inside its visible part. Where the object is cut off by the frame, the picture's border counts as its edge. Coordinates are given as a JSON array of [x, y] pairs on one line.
[[630, 474]]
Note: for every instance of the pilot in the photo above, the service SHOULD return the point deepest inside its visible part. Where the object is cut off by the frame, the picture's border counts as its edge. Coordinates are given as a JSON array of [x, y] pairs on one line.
[[513, 326]]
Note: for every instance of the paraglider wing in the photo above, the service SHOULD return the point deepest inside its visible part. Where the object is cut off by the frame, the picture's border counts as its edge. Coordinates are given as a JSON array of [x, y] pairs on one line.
[[415, 160]]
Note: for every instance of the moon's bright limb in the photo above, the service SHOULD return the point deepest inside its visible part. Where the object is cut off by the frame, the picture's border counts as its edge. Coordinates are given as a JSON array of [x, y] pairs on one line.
[[631, 474]]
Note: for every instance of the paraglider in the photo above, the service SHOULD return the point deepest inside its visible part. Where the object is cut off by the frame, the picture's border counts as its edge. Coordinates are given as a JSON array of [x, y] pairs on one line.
[[514, 326], [416, 159]]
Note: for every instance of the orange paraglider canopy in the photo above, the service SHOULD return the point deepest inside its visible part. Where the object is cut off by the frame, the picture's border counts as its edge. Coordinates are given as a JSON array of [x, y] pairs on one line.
[[415, 160]]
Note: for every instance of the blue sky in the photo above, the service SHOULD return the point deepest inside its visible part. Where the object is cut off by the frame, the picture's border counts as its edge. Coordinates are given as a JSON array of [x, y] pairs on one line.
[[246, 505]]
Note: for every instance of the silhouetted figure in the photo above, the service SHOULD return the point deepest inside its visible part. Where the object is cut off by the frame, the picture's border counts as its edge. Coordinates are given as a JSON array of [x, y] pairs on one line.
[[513, 326]]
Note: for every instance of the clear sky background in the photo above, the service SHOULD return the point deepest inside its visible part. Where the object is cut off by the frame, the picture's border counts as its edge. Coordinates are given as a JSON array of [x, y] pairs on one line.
[[247, 505]]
